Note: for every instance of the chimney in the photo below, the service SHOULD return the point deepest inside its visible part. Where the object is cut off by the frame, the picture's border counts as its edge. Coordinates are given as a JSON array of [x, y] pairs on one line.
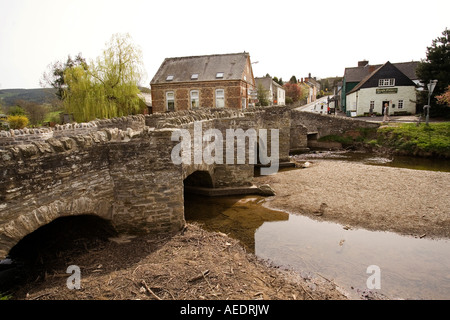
[[363, 63]]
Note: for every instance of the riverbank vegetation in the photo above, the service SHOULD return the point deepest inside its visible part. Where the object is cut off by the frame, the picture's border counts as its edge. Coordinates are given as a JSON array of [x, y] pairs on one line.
[[432, 140]]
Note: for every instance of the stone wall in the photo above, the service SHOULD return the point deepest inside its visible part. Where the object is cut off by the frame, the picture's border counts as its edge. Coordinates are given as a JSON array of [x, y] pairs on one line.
[[325, 125], [122, 176], [29, 135], [122, 169]]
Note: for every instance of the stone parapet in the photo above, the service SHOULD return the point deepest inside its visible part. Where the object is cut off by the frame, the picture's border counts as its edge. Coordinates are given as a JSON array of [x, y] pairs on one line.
[[28, 135]]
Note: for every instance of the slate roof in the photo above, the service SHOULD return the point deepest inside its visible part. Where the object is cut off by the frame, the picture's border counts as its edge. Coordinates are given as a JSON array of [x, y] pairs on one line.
[[357, 74], [182, 68]]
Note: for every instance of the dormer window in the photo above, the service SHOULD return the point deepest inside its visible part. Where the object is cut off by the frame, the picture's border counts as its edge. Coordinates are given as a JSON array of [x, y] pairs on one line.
[[219, 75], [169, 78], [194, 76], [386, 82]]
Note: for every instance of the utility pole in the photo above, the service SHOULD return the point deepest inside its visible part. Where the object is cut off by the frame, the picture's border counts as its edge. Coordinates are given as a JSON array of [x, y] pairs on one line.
[[431, 87]]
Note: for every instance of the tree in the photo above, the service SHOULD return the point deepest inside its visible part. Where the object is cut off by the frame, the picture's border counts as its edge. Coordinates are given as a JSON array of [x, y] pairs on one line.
[[293, 91], [279, 81], [54, 76], [436, 67], [16, 111], [293, 79], [36, 112], [107, 87], [262, 96], [444, 98]]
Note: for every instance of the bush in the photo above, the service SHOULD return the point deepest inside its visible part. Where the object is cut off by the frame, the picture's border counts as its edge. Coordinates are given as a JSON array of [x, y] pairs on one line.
[[411, 138], [17, 122]]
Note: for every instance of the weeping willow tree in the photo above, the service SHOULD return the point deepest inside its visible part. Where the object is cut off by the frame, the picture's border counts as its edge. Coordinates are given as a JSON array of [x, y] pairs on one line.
[[108, 87]]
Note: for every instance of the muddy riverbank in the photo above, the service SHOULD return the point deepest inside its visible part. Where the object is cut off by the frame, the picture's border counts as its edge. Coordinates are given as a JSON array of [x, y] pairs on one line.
[[406, 201]]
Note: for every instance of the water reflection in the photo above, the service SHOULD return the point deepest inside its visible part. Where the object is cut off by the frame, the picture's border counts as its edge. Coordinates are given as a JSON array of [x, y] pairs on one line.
[[416, 163], [239, 217], [410, 268]]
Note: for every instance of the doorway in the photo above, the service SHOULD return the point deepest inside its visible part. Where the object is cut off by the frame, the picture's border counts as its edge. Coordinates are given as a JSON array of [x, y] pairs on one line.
[[382, 107]]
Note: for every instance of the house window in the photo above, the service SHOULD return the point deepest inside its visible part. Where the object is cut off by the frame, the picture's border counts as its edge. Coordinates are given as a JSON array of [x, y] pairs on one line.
[[400, 104], [372, 106], [244, 103], [169, 78], [220, 98], [219, 75], [194, 99], [170, 101], [194, 76], [386, 82]]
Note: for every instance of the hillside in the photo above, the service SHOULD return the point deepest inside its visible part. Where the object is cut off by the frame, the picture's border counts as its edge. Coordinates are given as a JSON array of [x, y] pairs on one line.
[[8, 97]]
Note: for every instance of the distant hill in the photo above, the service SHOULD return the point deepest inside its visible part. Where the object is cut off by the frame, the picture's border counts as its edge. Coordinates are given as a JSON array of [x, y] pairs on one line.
[[9, 97]]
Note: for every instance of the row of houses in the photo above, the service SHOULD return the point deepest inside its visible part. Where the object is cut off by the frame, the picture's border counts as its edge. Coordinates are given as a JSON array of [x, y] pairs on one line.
[[227, 81]]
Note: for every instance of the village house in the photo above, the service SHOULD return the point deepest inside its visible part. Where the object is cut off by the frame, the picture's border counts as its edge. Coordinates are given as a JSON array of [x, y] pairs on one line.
[[313, 86], [353, 76], [385, 85], [275, 93], [210, 81]]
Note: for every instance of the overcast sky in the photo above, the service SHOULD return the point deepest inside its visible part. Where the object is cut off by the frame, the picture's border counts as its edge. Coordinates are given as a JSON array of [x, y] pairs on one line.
[[285, 37]]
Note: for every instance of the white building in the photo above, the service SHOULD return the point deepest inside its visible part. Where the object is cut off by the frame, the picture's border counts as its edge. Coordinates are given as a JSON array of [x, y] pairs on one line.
[[275, 93], [386, 84]]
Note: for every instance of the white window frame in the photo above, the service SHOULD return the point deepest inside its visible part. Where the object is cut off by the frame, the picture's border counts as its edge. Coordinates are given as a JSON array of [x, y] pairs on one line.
[[194, 99], [194, 76], [169, 78], [386, 82], [400, 104], [170, 99], [219, 75], [220, 98]]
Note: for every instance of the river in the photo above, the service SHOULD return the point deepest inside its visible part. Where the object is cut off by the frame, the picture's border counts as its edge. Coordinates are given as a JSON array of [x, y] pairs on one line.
[[408, 267]]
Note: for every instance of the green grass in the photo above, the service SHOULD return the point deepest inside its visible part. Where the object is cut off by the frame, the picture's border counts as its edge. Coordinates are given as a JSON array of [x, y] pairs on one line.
[[432, 139], [52, 116], [405, 138]]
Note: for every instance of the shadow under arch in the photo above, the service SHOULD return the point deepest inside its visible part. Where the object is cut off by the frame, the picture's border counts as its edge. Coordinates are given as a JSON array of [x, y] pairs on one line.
[[199, 178], [62, 234]]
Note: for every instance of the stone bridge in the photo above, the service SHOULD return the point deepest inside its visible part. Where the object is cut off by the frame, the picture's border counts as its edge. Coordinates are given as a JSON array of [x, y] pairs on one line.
[[123, 170]]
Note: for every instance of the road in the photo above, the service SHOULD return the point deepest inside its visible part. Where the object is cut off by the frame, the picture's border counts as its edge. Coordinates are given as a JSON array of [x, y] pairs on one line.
[[315, 106]]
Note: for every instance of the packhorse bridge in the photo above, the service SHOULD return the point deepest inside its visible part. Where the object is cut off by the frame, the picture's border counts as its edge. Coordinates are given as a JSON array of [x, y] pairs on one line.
[[123, 169]]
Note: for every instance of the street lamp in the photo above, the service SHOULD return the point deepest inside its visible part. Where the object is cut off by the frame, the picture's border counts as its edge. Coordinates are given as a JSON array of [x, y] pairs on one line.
[[431, 87]]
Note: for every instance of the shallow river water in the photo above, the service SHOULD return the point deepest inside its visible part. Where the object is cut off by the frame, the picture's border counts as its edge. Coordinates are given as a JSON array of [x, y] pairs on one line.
[[408, 267]]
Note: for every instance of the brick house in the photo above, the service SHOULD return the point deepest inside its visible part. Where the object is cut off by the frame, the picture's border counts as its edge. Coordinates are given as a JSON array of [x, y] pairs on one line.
[[210, 81]]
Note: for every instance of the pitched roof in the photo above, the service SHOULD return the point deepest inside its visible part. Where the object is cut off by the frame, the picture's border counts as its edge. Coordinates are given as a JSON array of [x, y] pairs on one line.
[[386, 70], [206, 67], [357, 74]]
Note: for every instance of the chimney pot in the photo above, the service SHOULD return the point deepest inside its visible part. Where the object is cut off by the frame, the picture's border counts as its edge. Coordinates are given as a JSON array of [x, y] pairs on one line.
[[363, 63]]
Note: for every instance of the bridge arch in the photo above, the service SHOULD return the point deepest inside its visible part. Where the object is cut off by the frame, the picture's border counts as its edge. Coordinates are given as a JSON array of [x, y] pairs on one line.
[[27, 222], [63, 233]]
